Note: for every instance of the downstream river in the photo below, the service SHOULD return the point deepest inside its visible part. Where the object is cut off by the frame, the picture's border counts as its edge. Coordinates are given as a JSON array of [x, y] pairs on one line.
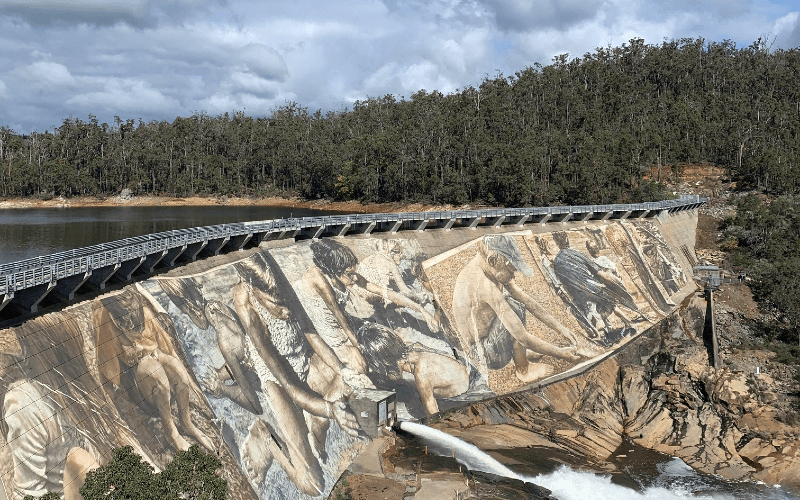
[[27, 233]]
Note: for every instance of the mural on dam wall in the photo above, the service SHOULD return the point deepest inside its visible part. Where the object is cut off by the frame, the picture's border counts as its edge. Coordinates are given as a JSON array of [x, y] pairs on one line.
[[276, 387], [527, 306], [104, 374], [257, 360]]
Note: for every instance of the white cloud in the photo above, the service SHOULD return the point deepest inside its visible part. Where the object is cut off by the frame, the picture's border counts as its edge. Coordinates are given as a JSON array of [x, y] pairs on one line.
[[125, 95], [785, 23], [263, 61], [253, 84], [156, 59], [788, 29], [425, 75], [223, 102], [3, 90], [45, 74]]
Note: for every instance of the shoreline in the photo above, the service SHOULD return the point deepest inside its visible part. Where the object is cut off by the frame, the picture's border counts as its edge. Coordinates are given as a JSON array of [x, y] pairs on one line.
[[355, 207]]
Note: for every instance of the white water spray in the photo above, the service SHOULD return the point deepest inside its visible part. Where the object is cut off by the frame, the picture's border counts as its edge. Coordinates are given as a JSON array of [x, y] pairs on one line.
[[468, 454], [568, 484]]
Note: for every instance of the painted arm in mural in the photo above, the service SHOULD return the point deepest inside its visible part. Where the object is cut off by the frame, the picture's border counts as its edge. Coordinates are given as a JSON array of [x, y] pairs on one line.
[[243, 297], [302, 396], [305, 398], [495, 299], [396, 298], [538, 311], [397, 276], [323, 288]]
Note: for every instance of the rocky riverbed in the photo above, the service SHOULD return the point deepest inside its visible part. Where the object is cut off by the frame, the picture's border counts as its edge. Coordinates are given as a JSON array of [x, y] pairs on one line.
[[659, 395], [662, 394]]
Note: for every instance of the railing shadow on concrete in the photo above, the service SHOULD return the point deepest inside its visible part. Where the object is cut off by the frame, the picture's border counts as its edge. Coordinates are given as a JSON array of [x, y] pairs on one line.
[[63, 276]]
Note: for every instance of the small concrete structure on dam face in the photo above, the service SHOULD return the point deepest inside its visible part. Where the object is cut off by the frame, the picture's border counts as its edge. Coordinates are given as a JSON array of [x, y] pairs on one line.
[[271, 359]]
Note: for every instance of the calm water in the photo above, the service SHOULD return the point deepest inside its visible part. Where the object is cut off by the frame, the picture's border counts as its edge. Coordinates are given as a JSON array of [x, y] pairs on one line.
[[26, 233]]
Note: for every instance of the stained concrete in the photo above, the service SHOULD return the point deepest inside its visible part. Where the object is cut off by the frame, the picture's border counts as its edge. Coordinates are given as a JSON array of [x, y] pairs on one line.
[[255, 355]]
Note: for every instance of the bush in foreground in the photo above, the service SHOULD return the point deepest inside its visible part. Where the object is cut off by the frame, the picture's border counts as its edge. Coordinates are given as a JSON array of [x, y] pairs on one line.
[[192, 475]]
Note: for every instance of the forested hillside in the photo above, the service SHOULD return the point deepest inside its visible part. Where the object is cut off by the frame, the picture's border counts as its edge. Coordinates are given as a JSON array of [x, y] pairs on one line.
[[580, 130]]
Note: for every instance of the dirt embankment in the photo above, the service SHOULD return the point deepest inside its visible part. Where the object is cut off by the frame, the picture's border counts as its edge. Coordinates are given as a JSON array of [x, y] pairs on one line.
[[273, 201], [705, 179]]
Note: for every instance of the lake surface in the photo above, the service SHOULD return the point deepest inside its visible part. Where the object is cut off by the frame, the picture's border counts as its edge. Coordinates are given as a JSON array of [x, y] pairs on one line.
[[27, 233]]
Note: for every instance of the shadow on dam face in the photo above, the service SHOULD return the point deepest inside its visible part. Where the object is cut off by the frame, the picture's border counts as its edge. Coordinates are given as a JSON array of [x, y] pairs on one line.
[[266, 359]]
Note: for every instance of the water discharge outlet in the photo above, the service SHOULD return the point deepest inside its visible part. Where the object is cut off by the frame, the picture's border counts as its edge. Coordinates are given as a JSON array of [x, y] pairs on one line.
[[468, 454]]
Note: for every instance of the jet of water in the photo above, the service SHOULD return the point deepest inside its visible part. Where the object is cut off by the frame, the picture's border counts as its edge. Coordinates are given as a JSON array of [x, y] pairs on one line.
[[468, 454]]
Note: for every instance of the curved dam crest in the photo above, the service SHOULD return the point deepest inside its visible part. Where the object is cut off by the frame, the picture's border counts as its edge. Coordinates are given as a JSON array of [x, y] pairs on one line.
[[262, 356]]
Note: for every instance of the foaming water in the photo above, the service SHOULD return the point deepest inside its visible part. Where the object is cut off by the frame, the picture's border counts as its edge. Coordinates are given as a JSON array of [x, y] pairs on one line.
[[674, 479], [568, 484]]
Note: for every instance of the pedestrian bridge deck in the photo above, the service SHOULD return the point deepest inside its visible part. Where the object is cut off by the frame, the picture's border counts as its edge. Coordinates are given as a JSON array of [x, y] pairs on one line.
[[28, 285]]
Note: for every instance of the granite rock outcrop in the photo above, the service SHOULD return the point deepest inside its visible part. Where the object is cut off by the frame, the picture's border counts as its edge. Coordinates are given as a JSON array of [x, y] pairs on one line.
[[660, 392]]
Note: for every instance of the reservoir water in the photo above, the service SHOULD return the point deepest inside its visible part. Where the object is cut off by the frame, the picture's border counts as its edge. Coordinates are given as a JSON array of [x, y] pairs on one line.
[[27, 233]]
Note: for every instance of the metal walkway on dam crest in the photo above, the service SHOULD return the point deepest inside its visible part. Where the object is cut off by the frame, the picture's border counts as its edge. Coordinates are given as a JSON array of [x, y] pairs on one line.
[[28, 285]]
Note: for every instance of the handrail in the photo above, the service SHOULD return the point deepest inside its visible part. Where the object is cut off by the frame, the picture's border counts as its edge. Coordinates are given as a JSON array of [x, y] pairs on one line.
[[26, 273]]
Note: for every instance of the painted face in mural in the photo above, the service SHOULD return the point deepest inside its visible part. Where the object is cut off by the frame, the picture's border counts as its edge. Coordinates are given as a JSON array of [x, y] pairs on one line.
[[502, 269], [126, 312], [504, 258], [349, 276], [187, 295], [256, 274]]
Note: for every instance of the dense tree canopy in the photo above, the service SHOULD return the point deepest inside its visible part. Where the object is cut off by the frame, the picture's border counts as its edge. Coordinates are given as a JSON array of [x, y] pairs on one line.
[[580, 130], [764, 236], [190, 476]]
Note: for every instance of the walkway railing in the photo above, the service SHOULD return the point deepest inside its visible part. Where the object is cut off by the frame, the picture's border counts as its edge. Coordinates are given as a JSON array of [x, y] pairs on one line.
[[48, 269]]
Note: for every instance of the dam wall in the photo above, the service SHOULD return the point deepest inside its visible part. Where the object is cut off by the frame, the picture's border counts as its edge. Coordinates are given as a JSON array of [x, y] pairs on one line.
[[258, 356]]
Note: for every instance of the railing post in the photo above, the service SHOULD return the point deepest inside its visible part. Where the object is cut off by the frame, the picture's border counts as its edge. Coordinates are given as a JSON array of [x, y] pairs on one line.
[[103, 261]]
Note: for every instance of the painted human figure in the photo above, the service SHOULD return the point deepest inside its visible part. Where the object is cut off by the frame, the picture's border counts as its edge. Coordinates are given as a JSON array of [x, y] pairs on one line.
[[489, 309], [230, 364], [341, 300], [594, 286], [314, 383], [48, 451], [56, 421], [620, 238], [134, 333], [436, 373], [296, 372], [383, 268]]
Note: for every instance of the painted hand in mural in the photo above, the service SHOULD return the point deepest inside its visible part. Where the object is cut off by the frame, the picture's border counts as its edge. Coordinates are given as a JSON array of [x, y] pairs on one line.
[[346, 420], [133, 331], [490, 310]]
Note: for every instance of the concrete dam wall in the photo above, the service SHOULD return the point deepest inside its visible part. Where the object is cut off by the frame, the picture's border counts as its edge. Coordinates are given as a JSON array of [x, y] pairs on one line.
[[264, 356]]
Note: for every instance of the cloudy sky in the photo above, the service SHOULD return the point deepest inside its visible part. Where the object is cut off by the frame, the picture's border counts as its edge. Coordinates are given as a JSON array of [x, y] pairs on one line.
[[158, 59]]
